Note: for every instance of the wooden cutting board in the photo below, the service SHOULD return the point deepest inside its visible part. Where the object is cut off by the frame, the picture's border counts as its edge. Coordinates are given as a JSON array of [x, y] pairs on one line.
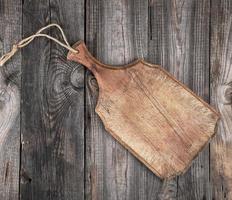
[[158, 119]]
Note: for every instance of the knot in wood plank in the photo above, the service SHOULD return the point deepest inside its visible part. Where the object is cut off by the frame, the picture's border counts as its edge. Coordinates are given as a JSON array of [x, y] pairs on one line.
[[225, 93], [76, 78]]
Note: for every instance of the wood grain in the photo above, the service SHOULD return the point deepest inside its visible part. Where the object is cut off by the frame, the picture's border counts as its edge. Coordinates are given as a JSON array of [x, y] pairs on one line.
[[10, 32], [52, 165], [174, 34], [116, 34], [179, 41], [221, 79], [150, 113]]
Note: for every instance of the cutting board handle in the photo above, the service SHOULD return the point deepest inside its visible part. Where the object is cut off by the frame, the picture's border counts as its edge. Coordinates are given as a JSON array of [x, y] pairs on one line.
[[84, 57], [103, 73]]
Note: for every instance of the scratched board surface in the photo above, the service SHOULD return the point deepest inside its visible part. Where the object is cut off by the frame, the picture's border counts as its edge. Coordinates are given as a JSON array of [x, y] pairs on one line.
[[52, 143]]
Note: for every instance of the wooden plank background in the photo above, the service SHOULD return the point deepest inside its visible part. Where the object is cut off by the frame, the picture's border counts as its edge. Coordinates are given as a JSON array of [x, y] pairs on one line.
[[54, 146]]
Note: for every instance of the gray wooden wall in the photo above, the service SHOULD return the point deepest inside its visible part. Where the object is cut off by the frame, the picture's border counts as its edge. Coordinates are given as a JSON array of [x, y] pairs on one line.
[[53, 145]]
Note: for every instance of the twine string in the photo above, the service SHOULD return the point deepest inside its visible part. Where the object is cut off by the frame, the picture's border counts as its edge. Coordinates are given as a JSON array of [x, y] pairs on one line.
[[24, 42]]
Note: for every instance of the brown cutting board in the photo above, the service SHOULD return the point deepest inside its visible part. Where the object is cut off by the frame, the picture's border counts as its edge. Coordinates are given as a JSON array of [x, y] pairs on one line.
[[148, 111]]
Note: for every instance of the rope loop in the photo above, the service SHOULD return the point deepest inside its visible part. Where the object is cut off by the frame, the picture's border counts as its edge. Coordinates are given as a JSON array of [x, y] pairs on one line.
[[24, 42]]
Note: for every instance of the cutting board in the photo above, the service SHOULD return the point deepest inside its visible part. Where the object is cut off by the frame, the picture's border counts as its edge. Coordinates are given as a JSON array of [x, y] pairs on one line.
[[158, 119]]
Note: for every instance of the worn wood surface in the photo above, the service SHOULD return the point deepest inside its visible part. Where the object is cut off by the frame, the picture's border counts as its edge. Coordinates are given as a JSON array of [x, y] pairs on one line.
[[115, 34], [179, 41], [190, 38], [10, 32], [52, 109], [221, 87]]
